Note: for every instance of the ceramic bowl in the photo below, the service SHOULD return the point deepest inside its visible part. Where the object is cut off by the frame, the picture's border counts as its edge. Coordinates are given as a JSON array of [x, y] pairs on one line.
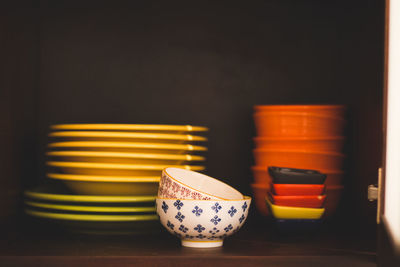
[[123, 157], [130, 127], [327, 144], [310, 201], [298, 189], [184, 184], [202, 223], [328, 110], [89, 208], [299, 159], [128, 147], [276, 123], [260, 191], [282, 212], [56, 193], [295, 176], [100, 185], [101, 136], [113, 169], [261, 176]]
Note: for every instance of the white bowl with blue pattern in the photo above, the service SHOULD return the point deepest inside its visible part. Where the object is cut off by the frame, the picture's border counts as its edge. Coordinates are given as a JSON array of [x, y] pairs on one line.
[[202, 223]]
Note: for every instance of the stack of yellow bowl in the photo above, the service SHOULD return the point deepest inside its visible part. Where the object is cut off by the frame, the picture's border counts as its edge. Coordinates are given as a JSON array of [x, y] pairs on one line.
[[116, 160]]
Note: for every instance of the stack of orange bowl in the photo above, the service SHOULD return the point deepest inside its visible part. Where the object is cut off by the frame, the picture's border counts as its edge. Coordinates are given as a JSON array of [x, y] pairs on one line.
[[302, 137], [112, 162]]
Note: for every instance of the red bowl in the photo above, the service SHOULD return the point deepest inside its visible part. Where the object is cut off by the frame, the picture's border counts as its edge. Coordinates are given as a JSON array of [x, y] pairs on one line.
[[316, 201], [299, 159], [298, 189], [324, 144], [329, 110], [260, 191], [261, 176], [276, 123]]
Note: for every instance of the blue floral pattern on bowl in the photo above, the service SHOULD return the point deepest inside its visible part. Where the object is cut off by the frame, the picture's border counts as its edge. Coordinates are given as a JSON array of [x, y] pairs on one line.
[[199, 228], [203, 220], [216, 207], [228, 228], [179, 216], [164, 207], [197, 211], [214, 231], [244, 207], [215, 220], [232, 211], [183, 228], [178, 204]]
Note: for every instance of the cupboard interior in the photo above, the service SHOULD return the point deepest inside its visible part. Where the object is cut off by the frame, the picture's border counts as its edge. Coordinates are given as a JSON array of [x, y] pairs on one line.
[[204, 63]]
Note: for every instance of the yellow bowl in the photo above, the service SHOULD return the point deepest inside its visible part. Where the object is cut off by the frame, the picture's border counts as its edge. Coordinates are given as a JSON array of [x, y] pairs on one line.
[[57, 194], [283, 212], [127, 137], [93, 185], [112, 169], [129, 147], [124, 158], [83, 208], [131, 127]]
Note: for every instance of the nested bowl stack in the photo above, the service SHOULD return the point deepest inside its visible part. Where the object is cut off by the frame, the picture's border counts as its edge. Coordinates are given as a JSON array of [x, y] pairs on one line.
[[198, 209], [301, 137]]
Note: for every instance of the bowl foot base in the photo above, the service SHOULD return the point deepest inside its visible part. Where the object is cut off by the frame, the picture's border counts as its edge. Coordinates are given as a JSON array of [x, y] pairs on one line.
[[202, 244]]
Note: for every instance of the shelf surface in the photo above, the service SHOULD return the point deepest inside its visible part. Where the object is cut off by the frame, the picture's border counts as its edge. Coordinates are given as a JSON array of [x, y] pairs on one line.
[[257, 244]]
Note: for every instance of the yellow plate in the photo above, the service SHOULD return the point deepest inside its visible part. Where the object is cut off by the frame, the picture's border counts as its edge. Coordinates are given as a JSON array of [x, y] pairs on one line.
[[111, 179], [112, 169], [129, 147], [108, 186], [52, 193], [130, 127], [123, 158], [283, 212], [127, 136], [91, 217], [79, 208]]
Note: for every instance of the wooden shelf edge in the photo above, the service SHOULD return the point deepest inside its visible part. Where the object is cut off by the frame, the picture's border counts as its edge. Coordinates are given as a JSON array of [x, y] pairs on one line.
[[286, 261]]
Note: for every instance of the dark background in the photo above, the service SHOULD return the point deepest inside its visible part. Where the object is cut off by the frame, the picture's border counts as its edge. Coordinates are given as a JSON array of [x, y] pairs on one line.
[[189, 62]]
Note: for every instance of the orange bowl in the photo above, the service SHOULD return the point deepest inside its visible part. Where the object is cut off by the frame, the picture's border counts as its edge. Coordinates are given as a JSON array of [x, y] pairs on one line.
[[260, 191], [333, 196], [329, 110], [327, 144], [300, 159], [261, 176], [273, 123]]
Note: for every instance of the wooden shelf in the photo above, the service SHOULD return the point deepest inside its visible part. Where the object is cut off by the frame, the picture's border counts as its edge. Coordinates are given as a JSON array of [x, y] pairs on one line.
[[257, 244]]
